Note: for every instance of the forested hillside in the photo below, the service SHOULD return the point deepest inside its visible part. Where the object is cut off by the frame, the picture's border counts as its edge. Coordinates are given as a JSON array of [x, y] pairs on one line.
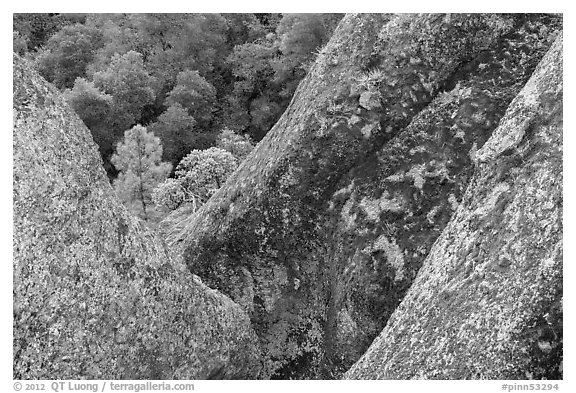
[[297, 196], [187, 76]]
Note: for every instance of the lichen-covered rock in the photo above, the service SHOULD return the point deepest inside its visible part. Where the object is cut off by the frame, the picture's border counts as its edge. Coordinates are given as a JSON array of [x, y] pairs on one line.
[[487, 302], [389, 210], [95, 294], [278, 236]]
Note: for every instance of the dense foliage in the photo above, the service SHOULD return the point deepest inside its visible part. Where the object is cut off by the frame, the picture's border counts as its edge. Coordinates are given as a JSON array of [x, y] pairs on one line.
[[184, 76], [178, 132], [239, 145], [198, 176]]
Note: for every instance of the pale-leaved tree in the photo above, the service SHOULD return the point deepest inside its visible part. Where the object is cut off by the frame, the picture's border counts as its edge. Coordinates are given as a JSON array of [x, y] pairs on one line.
[[198, 176], [138, 158]]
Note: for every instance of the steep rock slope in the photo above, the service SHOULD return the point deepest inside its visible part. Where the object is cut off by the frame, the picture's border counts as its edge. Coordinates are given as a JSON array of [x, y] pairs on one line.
[[284, 236], [95, 294], [488, 301], [389, 210]]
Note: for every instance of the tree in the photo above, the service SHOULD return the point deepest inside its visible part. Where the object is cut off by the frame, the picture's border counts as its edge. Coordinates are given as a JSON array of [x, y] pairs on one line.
[[169, 44], [239, 145], [128, 82], [93, 107], [269, 69], [264, 112], [300, 35], [206, 170], [243, 28], [196, 94], [36, 29], [179, 134], [138, 158], [251, 62], [175, 42], [157, 38], [120, 37], [269, 21], [198, 176], [251, 66], [68, 53], [204, 40], [171, 195]]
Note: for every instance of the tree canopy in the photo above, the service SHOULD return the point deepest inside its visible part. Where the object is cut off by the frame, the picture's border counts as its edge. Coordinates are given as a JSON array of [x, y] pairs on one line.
[[198, 176], [226, 71], [195, 94], [129, 84], [178, 132], [68, 53]]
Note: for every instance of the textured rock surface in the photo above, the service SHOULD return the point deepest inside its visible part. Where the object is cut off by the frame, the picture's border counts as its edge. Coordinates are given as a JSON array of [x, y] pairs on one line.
[[389, 210], [488, 301], [306, 234], [95, 294]]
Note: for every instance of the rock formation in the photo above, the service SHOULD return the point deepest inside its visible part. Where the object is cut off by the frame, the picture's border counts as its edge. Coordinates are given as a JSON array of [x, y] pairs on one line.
[[392, 207], [488, 301], [95, 294], [411, 192], [323, 228]]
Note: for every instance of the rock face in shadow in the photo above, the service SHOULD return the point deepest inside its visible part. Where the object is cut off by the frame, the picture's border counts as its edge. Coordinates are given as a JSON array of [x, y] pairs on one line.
[[323, 228], [95, 294], [487, 302]]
